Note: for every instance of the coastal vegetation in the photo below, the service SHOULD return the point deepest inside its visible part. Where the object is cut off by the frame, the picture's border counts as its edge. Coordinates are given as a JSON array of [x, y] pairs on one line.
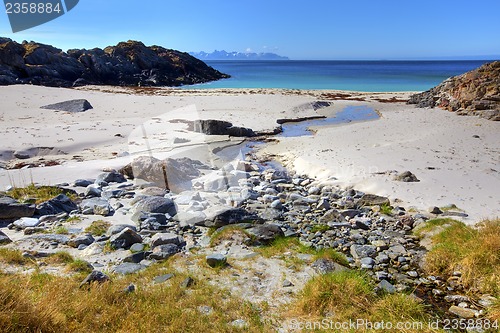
[[54, 303]]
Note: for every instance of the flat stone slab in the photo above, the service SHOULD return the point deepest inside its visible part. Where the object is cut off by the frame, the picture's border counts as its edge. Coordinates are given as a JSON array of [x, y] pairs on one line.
[[74, 105]]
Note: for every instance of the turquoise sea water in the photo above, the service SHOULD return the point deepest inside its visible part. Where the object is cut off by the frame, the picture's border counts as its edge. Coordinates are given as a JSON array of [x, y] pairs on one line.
[[341, 75]]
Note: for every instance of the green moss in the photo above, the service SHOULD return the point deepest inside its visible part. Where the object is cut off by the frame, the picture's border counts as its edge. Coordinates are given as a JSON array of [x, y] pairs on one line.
[[320, 228], [98, 228]]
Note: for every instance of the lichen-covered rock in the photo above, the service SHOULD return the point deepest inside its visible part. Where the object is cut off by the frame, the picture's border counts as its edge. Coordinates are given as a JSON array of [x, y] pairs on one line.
[[474, 93]]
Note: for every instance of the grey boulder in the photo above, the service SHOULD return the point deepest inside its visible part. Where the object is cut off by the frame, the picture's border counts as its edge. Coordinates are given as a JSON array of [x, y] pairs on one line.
[[86, 239], [216, 260], [266, 232], [4, 239], [153, 204], [74, 105], [26, 222], [167, 238], [12, 209], [231, 216], [60, 204], [163, 252], [125, 238], [96, 206], [95, 276]]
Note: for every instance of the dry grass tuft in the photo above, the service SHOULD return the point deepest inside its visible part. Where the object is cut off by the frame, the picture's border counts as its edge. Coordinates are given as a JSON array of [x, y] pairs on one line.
[[473, 252], [12, 257], [344, 293], [39, 194], [45, 303]]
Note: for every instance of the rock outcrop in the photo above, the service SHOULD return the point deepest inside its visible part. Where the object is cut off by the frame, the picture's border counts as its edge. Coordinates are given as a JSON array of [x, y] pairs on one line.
[[474, 93], [126, 64]]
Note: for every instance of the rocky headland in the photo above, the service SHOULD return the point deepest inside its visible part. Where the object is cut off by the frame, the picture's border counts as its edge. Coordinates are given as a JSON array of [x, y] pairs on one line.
[[475, 93], [128, 63]]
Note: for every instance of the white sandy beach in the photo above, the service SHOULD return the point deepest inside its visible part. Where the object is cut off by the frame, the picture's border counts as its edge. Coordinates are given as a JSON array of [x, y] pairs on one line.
[[437, 146]]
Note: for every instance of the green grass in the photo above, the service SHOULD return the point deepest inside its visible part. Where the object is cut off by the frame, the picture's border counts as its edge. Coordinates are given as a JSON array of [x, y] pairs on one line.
[[284, 244], [331, 254], [72, 264], [347, 292], [108, 248], [38, 194], [320, 228], [61, 230], [348, 295], [475, 252], [432, 225], [451, 207], [98, 228], [386, 209], [74, 219], [61, 257], [287, 248]]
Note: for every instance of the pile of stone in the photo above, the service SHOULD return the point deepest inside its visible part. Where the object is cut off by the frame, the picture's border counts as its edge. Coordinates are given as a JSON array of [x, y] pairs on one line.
[[267, 202]]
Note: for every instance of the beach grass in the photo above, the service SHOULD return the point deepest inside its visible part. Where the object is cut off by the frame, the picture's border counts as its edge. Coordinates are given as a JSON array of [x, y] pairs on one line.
[[474, 252], [38, 194], [46, 303], [13, 257], [98, 227]]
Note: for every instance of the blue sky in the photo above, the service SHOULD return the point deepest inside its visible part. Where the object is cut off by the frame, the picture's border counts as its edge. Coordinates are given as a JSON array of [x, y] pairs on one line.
[[314, 29]]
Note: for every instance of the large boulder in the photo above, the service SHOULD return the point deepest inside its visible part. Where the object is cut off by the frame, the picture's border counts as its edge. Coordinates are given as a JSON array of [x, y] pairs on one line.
[[167, 238], [266, 233], [373, 200], [26, 222], [95, 276], [96, 206], [57, 205], [125, 238], [220, 127], [85, 239], [474, 93], [172, 174], [153, 204], [110, 177], [12, 209], [165, 251]]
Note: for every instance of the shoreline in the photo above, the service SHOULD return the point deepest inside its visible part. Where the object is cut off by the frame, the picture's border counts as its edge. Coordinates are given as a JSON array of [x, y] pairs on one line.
[[365, 161]]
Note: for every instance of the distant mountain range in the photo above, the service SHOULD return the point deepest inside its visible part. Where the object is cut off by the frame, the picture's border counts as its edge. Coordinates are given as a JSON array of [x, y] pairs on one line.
[[223, 55]]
